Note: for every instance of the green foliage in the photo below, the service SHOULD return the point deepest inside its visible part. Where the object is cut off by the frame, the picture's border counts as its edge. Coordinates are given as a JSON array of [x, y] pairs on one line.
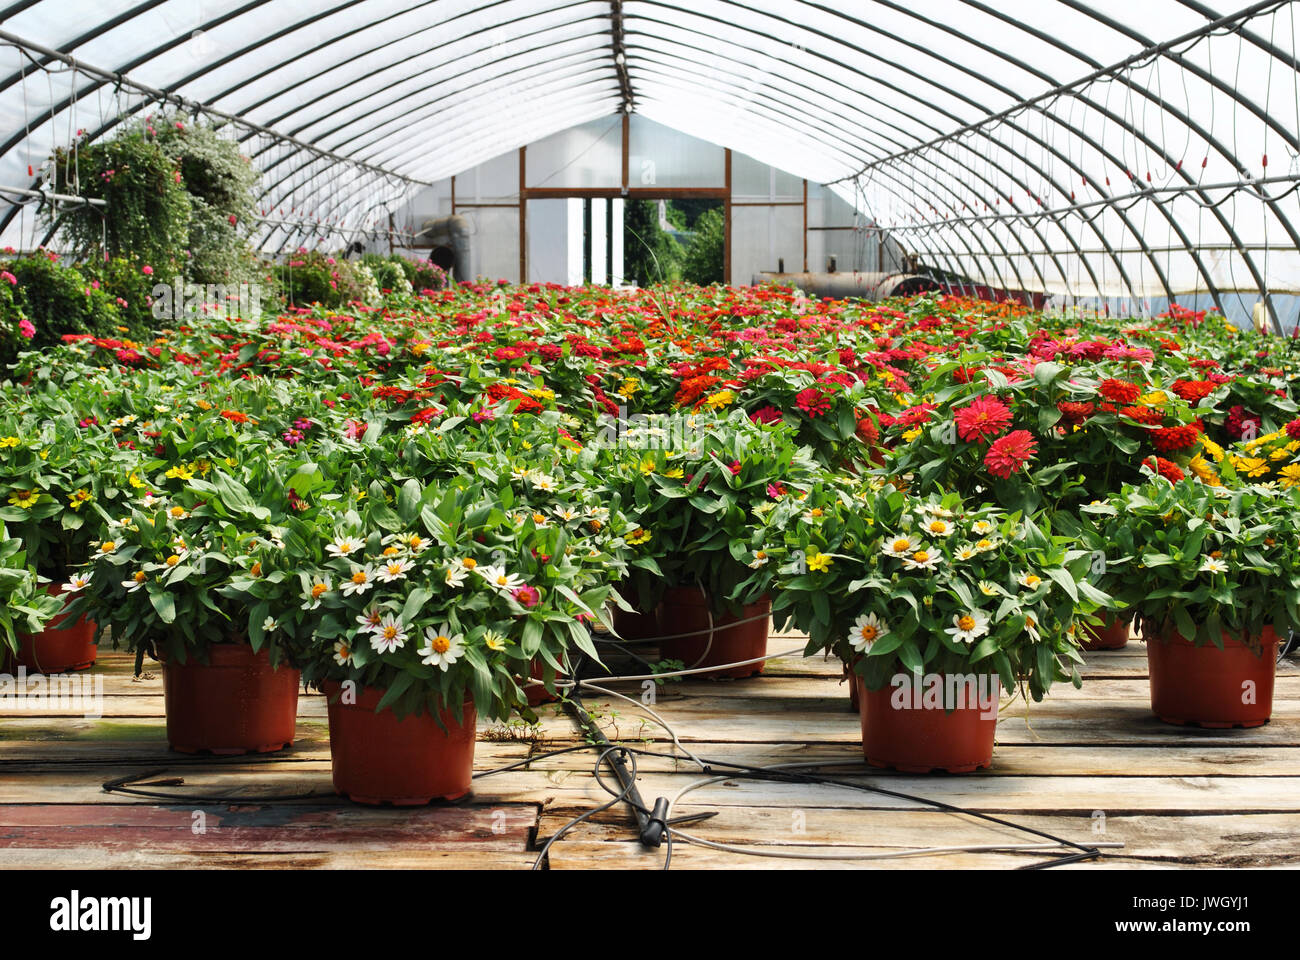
[[57, 299], [649, 254], [307, 278], [702, 262]]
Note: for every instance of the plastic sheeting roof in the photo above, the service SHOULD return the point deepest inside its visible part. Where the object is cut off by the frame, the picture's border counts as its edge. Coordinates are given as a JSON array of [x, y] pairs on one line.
[[1111, 186]]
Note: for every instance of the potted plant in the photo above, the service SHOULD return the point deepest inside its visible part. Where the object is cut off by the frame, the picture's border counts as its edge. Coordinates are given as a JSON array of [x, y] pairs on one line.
[[425, 614], [25, 606], [933, 605], [1213, 576], [59, 477], [698, 487], [171, 581]]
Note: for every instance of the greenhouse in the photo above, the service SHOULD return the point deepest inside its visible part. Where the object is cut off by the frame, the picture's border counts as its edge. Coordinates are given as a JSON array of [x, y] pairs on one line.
[[503, 434]]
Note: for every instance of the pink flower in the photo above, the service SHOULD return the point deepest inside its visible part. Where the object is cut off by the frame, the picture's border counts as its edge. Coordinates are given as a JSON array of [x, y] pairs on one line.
[[26, 329], [6, 275], [527, 596], [982, 419], [1009, 454], [147, 270]]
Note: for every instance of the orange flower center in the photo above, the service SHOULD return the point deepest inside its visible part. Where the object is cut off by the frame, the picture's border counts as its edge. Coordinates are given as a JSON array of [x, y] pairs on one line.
[[921, 556], [390, 632], [317, 590], [440, 643], [901, 545], [359, 577], [869, 633], [140, 576], [173, 560], [966, 623]]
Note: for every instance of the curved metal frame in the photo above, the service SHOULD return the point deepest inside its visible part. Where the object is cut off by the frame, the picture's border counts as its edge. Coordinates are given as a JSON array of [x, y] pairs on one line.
[[845, 137]]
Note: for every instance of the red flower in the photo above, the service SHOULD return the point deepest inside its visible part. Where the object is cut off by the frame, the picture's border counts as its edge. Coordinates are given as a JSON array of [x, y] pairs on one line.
[[982, 420], [812, 401], [526, 596], [866, 429], [1169, 439], [1009, 454], [768, 414], [1120, 391], [1170, 471], [1193, 391], [1293, 429], [234, 416], [1146, 415], [1073, 412]]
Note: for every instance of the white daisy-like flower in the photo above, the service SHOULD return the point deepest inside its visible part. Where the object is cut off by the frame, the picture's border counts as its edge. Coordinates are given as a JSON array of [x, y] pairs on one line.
[[1030, 581], [342, 653], [968, 627], [441, 648], [455, 576], [137, 581], [939, 527], [566, 514], [867, 629], [370, 620], [269, 625], [984, 545], [361, 579], [497, 577], [544, 483], [319, 587], [344, 546], [76, 582], [760, 560], [988, 589], [520, 473], [390, 636], [393, 570], [899, 546], [934, 510], [494, 641], [922, 558], [965, 553], [982, 527], [1213, 565]]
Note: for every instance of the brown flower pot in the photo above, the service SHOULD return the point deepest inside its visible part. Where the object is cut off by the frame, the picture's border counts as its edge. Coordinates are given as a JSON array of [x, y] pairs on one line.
[[900, 734], [685, 610], [377, 758], [1208, 687], [635, 626], [235, 703], [1111, 635], [537, 692], [59, 648]]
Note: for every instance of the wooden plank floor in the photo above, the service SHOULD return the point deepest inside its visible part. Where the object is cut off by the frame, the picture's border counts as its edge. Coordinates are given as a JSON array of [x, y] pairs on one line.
[[1091, 765]]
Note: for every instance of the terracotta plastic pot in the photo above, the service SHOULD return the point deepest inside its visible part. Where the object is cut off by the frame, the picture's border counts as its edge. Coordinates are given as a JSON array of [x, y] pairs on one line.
[[377, 758], [1208, 687], [537, 693], [907, 737], [635, 626], [235, 703], [59, 648], [685, 610], [1111, 635]]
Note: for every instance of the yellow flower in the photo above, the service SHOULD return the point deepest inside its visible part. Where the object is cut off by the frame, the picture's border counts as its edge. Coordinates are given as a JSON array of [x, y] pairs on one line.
[[910, 435], [1153, 399], [1204, 471], [1250, 466], [80, 498], [9, 442], [820, 562], [135, 481], [1290, 475], [720, 399], [628, 388], [1212, 448], [180, 472], [638, 536], [674, 473], [24, 498]]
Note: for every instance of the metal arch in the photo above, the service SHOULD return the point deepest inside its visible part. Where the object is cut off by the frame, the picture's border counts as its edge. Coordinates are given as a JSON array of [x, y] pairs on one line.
[[99, 30], [864, 130], [902, 197], [462, 97], [1030, 135], [530, 66], [1254, 108], [906, 97], [1160, 150], [1263, 44], [462, 38], [572, 91], [1123, 124], [903, 194]]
